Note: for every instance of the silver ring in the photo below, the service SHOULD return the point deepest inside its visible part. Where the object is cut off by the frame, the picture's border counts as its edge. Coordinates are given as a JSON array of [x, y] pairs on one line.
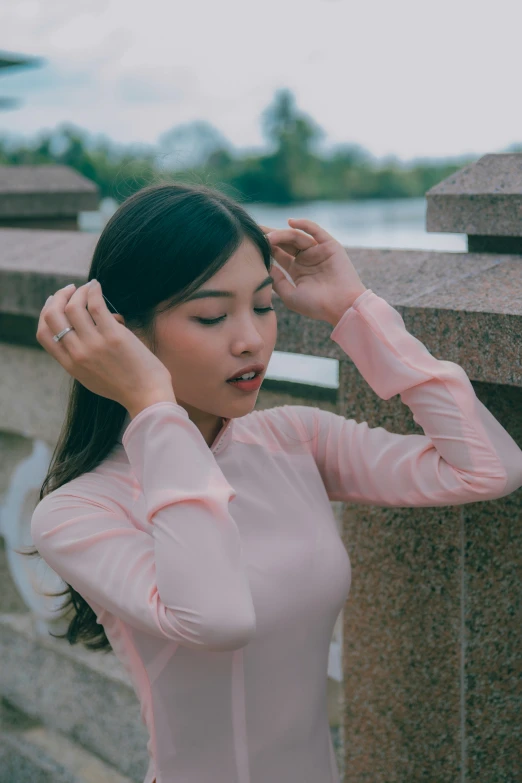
[[59, 336]]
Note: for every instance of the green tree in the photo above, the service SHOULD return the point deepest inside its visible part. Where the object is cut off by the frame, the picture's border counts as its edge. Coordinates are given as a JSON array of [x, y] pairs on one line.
[[293, 134]]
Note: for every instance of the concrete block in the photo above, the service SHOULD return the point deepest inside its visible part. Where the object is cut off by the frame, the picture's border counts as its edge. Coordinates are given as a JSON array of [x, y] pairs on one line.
[[83, 694], [484, 198], [38, 195]]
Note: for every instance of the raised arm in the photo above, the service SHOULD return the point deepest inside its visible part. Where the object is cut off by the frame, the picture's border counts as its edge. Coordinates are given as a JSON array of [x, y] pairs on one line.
[[186, 581], [464, 456]]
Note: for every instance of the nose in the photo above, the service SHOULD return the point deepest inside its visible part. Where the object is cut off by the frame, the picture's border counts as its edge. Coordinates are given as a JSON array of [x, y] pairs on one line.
[[251, 333]]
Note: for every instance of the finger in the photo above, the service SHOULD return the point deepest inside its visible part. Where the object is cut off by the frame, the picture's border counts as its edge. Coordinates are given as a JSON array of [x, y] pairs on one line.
[[291, 240], [52, 321], [283, 282], [283, 258], [55, 321], [78, 315], [56, 303], [88, 313], [58, 350], [63, 294], [100, 313], [71, 310], [314, 255], [311, 228]]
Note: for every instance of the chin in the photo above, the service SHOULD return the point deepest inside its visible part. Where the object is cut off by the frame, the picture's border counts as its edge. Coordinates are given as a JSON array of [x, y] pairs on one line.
[[249, 402]]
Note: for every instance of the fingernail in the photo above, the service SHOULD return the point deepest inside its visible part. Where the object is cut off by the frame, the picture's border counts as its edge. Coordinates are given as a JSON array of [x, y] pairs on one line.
[[93, 282], [48, 298], [71, 285]]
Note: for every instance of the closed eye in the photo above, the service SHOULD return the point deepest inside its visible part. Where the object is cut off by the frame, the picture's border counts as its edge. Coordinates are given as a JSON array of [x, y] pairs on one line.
[[210, 321]]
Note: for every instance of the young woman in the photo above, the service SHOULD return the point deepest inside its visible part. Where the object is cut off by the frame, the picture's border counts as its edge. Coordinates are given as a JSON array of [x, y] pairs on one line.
[[194, 533]]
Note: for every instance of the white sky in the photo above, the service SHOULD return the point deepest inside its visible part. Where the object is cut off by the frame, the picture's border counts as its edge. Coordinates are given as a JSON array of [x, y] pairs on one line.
[[405, 77]]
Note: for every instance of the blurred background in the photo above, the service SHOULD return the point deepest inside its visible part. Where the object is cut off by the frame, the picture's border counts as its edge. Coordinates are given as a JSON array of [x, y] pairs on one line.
[[337, 110]]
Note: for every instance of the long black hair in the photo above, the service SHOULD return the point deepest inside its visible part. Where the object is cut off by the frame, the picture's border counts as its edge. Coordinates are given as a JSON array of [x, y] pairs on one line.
[[160, 245]]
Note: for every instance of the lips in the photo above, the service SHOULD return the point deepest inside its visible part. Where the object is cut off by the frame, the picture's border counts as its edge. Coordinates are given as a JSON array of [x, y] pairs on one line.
[[257, 368]]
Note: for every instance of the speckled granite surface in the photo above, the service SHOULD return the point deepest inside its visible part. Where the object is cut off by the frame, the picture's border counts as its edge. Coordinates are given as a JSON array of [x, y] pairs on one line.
[[431, 626], [483, 198]]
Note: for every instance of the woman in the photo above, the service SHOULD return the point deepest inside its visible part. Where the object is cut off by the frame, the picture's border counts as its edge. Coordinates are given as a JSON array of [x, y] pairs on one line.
[[202, 540]]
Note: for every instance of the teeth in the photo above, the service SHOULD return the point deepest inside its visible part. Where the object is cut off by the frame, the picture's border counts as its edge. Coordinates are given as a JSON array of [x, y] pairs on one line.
[[246, 377]]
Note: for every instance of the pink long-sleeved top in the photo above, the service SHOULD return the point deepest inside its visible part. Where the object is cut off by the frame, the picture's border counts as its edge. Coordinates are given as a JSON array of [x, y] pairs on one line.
[[218, 572]]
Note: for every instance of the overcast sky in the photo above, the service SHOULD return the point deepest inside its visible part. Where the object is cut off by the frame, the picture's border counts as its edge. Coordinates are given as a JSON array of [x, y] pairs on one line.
[[411, 78]]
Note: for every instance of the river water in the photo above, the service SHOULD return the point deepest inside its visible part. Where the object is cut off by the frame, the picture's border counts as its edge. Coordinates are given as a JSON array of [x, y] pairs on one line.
[[380, 223]]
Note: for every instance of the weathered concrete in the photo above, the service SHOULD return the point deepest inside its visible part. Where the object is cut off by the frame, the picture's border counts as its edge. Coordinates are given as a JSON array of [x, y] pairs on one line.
[[74, 691], [483, 200], [49, 196]]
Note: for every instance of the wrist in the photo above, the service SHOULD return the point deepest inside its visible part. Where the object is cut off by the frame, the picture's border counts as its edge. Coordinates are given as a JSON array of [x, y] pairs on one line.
[[151, 399], [337, 312]]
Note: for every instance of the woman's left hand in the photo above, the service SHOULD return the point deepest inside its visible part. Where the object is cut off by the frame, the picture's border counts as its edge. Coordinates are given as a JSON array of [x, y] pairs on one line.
[[326, 282]]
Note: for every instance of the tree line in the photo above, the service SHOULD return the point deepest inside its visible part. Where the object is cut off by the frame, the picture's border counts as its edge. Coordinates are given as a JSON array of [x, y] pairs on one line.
[[293, 169]]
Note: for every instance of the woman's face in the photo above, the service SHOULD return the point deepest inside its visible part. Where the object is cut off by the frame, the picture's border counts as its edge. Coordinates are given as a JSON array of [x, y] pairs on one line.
[[201, 357]]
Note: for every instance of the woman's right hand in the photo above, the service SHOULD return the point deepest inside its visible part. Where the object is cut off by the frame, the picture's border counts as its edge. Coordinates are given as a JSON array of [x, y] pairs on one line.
[[102, 354]]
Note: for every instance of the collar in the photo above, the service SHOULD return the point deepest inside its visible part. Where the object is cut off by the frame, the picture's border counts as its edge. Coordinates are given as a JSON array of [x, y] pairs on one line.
[[223, 437], [219, 444]]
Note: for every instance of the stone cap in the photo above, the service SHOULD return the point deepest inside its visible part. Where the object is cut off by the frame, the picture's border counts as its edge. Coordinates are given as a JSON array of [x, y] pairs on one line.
[[484, 198], [465, 307], [45, 191]]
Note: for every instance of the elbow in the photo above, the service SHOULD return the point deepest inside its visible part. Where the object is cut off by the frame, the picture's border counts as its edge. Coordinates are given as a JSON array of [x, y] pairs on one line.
[[230, 634], [485, 489], [509, 484]]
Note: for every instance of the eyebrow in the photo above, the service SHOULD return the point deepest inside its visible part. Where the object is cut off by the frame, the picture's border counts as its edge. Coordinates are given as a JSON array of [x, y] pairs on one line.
[[204, 292]]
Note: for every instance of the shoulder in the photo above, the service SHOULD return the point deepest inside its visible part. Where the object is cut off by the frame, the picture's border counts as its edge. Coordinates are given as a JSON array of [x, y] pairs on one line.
[[281, 427]]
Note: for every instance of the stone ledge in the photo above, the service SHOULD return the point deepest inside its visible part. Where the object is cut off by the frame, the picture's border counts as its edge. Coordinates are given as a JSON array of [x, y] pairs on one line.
[[32, 753], [484, 198], [45, 191], [37, 754], [35, 263], [475, 296], [44, 756], [83, 694]]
